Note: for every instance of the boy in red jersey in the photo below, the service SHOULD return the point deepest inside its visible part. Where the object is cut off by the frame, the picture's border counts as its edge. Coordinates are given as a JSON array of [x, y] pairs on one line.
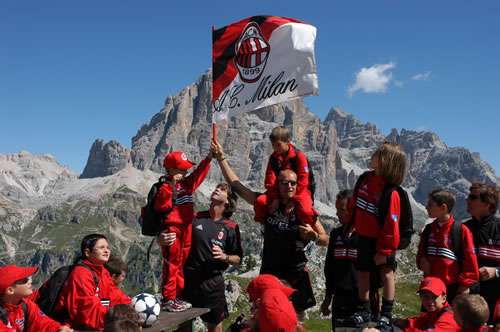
[[471, 312], [286, 156], [17, 312], [378, 240], [175, 200], [436, 257]]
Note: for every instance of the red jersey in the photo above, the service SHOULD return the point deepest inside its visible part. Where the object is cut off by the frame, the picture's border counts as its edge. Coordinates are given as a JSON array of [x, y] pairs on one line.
[[36, 321], [436, 321], [364, 204], [284, 162], [85, 303], [442, 259], [181, 211]]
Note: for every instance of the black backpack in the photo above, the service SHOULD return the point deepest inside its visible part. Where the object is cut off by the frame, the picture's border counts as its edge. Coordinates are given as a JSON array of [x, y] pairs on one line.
[[4, 316], [50, 291], [406, 215], [456, 239], [294, 161], [151, 221]]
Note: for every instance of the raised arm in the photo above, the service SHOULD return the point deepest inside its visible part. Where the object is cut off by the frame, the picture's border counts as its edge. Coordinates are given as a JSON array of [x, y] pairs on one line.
[[244, 192]]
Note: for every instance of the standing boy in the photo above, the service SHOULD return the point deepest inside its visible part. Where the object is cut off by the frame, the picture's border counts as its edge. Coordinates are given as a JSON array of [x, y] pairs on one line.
[[175, 200], [437, 254]]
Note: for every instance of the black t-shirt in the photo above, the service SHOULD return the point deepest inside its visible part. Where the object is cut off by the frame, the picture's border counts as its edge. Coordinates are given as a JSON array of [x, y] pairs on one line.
[[206, 233], [283, 248]]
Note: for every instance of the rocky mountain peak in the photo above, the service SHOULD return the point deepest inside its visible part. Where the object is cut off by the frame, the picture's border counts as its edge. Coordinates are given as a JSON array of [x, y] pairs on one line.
[[105, 159]]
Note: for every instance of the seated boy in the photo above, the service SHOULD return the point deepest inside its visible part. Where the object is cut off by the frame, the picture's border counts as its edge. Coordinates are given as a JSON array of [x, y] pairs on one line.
[[471, 312], [438, 315], [117, 269], [286, 156], [437, 256], [17, 312]]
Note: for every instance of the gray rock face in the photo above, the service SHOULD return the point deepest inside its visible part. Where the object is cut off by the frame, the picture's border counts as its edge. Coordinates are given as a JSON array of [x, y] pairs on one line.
[[105, 159], [184, 123], [431, 164]]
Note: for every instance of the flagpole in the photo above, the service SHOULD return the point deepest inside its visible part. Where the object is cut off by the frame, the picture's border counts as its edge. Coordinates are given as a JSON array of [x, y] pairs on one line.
[[214, 125]]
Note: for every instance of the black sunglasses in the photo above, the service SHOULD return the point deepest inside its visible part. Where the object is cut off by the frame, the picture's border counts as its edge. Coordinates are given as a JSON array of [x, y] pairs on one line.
[[286, 183], [23, 281]]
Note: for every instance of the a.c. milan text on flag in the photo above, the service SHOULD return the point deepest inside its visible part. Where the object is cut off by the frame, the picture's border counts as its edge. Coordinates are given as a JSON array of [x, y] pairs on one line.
[[261, 61]]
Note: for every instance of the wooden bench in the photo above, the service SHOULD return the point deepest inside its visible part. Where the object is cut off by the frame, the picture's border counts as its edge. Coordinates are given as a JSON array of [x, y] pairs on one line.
[[182, 320]]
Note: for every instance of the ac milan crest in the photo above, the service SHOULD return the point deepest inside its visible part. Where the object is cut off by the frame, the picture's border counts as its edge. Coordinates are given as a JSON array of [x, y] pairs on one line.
[[252, 52], [220, 235]]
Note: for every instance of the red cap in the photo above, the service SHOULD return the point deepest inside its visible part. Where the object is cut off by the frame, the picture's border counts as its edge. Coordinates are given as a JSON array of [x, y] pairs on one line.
[[12, 273], [434, 285], [264, 282], [178, 160]]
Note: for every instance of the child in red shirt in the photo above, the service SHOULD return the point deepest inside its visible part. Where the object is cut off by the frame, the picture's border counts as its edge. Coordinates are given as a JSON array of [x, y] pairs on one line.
[[286, 156], [175, 200], [435, 255], [377, 244], [15, 289]]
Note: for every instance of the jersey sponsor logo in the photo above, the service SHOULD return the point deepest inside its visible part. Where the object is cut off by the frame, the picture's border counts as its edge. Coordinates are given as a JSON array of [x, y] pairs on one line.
[[252, 52], [281, 221]]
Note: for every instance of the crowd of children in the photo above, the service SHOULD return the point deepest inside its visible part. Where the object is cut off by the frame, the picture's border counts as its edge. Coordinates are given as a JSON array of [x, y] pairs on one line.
[[456, 258]]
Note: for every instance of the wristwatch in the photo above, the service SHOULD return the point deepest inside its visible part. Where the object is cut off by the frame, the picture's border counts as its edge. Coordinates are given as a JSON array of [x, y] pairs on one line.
[[497, 272]]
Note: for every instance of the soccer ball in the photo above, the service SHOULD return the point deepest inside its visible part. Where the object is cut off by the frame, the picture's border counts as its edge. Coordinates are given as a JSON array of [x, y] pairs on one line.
[[147, 307]]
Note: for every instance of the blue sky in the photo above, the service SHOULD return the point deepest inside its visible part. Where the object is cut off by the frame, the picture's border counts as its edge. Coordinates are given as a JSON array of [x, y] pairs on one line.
[[71, 72]]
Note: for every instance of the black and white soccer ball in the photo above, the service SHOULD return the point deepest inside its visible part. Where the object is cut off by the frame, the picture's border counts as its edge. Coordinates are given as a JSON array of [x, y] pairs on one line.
[[148, 308]]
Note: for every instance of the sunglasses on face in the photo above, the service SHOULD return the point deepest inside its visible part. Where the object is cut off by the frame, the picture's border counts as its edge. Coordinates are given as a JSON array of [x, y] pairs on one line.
[[286, 183], [23, 281]]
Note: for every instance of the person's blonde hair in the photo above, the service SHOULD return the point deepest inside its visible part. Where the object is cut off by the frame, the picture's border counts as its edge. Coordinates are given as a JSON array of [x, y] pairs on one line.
[[280, 134], [472, 309], [391, 163]]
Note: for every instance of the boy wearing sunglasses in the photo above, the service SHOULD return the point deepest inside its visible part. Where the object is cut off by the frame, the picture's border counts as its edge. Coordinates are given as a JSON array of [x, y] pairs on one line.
[[17, 312], [482, 204]]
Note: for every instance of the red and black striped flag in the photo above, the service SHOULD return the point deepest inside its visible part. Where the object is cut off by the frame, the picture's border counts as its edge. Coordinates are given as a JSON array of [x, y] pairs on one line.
[[261, 61]]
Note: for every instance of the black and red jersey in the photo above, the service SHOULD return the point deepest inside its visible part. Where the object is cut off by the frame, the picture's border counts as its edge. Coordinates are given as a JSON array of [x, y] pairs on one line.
[[443, 262], [486, 234], [340, 270], [283, 249], [207, 233], [440, 321], [364, 204], [178, 202]]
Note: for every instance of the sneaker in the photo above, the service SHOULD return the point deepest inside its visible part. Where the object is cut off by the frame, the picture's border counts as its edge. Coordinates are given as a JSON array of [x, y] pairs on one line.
[[173, 306], [359, 319], [384, 324], [183, 304]]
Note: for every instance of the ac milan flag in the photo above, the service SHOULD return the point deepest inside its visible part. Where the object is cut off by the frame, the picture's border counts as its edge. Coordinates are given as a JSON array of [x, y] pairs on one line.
[[261, 61]]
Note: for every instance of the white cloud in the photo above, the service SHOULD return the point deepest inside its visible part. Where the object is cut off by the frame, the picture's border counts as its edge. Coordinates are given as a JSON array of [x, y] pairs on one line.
[[422, 76], [374, 79], [399, 84]]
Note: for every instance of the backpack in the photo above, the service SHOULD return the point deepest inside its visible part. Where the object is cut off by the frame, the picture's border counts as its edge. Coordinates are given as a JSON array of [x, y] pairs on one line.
[[151, 221], [50, 291], [406, 215], [4, 315], [294, 161], [456, 239]]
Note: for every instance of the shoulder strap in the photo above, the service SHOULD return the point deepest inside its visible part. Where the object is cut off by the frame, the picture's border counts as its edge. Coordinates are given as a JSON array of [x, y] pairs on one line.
[[456, 240], [425, 236], [3, 315], [274, 165], [384, 203], [94, 275], [360, 180], [25, 312]]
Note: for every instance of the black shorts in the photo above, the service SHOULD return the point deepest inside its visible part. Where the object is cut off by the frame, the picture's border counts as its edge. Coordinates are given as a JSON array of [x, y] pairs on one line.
[[303, 298], [206, 293], [367, 248]]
